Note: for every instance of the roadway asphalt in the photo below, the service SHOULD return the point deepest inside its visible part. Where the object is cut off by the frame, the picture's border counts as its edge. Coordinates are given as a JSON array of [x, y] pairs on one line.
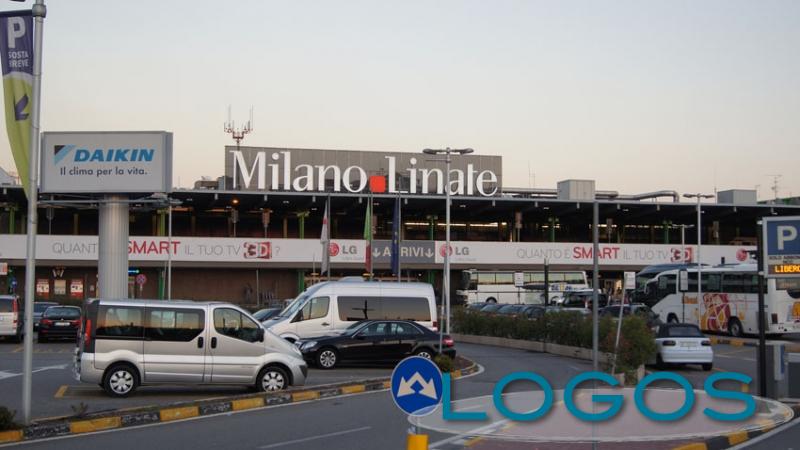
[[367, 421]]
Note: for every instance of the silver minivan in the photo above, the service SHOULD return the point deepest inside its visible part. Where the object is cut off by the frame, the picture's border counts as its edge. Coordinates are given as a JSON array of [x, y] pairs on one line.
[[127, 343], [11, 325]]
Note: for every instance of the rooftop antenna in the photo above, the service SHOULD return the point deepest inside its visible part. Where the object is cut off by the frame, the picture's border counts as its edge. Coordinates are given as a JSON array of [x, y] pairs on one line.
[[775, 185], [237, 134], [531, 176]]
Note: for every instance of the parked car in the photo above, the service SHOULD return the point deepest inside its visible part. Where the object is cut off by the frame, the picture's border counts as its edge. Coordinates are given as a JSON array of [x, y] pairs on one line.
[[265, 314], [375, 341], [583, 299], [127, 343], [59, 322], [639, 309], [330, 307], [522, 310], [491, 308], [38, 309], [11, 318], [683, 343]]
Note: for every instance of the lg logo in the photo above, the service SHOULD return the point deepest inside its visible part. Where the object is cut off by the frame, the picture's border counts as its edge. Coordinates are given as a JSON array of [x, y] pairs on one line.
[[457, 251]]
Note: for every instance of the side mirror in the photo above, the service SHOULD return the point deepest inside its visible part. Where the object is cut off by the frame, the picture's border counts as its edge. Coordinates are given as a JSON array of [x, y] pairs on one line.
[[298, 317], [360, 337], [260, 334]]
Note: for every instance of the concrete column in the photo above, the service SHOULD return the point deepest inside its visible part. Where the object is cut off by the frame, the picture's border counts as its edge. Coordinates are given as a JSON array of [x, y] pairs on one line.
[[113, 247]]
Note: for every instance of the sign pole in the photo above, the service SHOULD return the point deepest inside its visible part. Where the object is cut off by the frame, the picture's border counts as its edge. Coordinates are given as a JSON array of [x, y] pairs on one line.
[[595, 282], [762, 344], [39, 12]]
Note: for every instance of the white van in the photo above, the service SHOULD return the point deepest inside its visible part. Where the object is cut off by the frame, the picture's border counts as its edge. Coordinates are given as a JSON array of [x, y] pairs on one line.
[[11, 325], [127, 343], [331, 306]]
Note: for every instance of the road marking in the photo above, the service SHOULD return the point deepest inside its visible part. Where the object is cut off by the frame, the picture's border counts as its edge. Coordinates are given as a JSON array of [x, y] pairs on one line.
[[17, 350], [749, 350], [734, 357], [60, 392], [314, 438]]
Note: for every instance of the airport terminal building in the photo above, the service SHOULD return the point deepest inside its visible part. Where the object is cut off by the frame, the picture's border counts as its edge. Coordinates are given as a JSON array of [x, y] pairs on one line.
[[252, 236]]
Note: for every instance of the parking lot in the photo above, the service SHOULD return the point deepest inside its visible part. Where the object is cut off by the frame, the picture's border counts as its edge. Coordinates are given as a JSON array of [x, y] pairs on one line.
[[56, 393]]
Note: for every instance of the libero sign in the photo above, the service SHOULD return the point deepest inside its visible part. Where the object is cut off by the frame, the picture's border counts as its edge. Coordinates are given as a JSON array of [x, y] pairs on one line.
[[106, 162], [347, 171]]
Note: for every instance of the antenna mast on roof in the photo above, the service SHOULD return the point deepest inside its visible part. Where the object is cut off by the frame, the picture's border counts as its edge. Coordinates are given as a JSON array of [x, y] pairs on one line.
[[238, 133], [774, 188]]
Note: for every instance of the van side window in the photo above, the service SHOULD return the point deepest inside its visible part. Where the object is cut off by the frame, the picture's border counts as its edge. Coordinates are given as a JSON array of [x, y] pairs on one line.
[[232, 323], [353, 309], [174, 325], [316, 308], [119, 322], [6, 305], [406, 308]]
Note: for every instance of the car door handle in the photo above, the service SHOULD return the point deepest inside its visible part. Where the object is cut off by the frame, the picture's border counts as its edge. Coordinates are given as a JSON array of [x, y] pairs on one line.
[[213, 342], [325, 324], [200, 342]]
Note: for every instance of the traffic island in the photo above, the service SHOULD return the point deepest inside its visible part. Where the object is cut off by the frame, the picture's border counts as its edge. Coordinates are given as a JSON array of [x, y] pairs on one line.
[[118, 419]]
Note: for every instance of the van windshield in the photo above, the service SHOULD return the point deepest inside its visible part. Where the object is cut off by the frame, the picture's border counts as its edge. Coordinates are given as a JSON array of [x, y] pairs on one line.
[[293, 306]]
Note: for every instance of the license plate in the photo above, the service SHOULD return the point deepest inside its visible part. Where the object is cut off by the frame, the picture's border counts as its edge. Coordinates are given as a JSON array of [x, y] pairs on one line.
[[688, 344], [62, 324]]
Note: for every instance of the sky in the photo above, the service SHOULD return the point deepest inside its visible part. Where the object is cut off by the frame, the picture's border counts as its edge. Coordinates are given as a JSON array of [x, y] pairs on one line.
[[638, 95]]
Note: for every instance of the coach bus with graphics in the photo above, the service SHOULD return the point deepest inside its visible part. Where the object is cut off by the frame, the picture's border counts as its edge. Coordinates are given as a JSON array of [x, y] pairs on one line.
[[729, 300], [497, 286]]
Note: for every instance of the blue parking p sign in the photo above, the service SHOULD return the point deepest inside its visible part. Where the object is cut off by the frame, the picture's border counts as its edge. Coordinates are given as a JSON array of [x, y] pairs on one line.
[[417, 386], [781, 246]]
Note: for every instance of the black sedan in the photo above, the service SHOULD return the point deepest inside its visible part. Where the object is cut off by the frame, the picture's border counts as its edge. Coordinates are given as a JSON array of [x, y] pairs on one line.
[[60, 322], [375, 341]]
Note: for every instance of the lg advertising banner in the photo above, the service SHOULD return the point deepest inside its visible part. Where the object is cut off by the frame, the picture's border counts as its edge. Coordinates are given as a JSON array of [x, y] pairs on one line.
[[352, 251], [16, 46]]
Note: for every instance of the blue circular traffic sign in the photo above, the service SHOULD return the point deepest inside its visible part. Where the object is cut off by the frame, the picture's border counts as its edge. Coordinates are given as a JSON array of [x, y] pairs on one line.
[[417, 386]]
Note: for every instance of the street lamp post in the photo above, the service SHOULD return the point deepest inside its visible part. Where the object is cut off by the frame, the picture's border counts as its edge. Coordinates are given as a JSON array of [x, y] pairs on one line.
[[699, 197], [446, 278]]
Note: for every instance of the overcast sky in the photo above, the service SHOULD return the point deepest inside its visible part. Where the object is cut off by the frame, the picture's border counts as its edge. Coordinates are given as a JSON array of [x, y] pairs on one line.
[[638, 95]]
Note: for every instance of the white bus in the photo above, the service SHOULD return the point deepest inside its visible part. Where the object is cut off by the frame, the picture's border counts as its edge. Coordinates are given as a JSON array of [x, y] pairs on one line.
[[729, 300], [497, 286]]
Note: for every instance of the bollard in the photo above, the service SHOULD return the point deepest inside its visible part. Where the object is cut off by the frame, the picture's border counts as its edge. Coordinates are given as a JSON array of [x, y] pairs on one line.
[[417, 442]]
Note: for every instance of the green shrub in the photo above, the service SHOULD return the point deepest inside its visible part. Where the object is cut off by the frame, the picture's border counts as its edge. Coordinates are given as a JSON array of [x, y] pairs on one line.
[[445, 363], [7, 419], [566, 328]]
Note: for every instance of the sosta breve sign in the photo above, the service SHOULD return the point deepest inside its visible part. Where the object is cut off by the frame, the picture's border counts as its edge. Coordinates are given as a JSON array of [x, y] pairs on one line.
[[306, 178]]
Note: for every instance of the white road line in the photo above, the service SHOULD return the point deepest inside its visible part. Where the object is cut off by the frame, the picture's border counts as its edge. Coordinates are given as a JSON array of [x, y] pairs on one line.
[[4, 375], [734, 357], [314, 438]]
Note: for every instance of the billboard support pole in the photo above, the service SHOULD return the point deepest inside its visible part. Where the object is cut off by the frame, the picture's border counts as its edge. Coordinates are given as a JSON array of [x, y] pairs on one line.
[[112, 261], [762, 344], [39, 12]]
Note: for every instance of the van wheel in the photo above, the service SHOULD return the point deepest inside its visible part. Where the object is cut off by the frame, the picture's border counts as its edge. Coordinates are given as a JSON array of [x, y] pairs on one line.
[[327, 358], [425, 353], [491, 300], [660, 362], [735, 328], [120, 380], [708, 367], [272, 379]]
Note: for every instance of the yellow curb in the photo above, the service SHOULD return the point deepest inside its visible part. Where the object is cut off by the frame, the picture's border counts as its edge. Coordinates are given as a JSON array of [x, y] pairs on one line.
[[456, 374], [305, 396], [11, 436], [766, 425], [88, 426], [354, 389], [61, 391], [692, 446], [473, 441], [737, 343], [387, 384], [171, 414], [737, 437], [247, 403]]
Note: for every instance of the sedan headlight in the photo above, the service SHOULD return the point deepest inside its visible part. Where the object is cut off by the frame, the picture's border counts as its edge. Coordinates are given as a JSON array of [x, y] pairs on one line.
[[307, 345]]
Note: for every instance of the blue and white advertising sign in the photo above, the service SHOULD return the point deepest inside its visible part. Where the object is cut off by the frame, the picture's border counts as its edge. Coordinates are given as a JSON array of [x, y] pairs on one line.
[[106, 162], [417, 386], [781, 247]]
